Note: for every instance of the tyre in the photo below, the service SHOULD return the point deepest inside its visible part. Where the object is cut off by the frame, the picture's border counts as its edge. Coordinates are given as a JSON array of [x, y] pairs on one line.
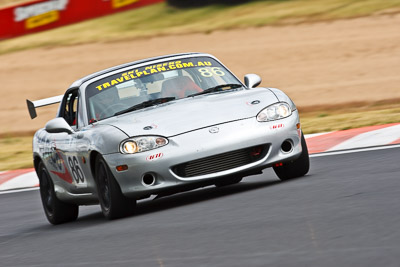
[[56, 211], [113, 203], [296, 168], [230, 181]]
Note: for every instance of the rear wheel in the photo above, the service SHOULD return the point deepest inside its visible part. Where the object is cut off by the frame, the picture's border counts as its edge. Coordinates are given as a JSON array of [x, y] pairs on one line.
[[56, 211], [113, 203], [296, 168]]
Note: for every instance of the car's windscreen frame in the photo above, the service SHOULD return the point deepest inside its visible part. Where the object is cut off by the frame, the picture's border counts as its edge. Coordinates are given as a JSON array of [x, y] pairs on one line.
[[203, 71]]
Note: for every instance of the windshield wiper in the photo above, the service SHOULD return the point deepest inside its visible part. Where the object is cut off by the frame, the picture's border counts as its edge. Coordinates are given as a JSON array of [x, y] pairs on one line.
[[218, 88], [146, 104]]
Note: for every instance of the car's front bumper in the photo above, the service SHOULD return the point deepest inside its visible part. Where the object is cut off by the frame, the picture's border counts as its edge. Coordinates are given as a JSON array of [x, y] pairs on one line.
[[203, 143]]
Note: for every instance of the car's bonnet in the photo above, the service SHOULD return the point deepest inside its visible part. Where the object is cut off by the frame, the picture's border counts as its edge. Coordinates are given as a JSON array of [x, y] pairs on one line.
[[185, 115]]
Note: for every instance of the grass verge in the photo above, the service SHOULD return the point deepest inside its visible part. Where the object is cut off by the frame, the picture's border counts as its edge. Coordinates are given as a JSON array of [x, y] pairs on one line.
[[16, 152], [343, 118], [160, 19]]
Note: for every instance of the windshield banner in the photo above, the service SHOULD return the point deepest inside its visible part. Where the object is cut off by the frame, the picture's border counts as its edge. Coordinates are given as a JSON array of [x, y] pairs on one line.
[[159, 68]]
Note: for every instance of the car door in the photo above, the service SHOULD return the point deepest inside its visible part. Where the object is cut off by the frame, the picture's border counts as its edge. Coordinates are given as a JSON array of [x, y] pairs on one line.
[[71, 149]]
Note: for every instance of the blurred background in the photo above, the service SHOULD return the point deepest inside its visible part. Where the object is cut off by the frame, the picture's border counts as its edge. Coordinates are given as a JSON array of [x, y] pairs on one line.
[[339, 60]]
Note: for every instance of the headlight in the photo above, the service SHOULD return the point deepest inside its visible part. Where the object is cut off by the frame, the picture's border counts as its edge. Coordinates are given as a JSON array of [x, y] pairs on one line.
[[274, 112], [142, 143]]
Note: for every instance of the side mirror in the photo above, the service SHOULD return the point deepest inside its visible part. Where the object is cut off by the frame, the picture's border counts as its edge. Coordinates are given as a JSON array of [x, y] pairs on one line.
[[252, 80], [58, 125]]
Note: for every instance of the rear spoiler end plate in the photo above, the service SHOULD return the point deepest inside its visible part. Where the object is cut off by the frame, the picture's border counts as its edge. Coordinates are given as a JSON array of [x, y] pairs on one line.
[[32, 105]]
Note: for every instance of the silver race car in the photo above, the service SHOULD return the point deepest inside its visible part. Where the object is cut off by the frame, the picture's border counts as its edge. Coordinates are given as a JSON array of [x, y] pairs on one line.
[[160, 126]]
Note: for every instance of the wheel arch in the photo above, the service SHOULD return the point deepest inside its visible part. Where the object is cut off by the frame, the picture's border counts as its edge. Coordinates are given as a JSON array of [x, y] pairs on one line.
[[92, 160], [36, 161]]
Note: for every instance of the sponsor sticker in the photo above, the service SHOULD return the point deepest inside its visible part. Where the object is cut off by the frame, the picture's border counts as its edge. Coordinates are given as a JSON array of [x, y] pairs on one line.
[[159, 68], [121, 3], [40, 14], [252, 103], [277, 126], [150, 127], [154, 157], [42, 19]]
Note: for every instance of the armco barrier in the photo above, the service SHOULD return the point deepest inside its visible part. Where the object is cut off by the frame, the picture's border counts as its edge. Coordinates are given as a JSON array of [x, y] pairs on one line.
[[42, 15]]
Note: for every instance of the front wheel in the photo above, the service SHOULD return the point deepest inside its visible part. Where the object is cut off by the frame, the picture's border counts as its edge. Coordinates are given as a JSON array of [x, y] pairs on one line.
[[113, 203], [56, 211], [296, 168]]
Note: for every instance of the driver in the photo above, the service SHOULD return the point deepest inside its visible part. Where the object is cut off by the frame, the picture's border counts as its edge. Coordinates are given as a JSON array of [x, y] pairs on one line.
[[107, 104]]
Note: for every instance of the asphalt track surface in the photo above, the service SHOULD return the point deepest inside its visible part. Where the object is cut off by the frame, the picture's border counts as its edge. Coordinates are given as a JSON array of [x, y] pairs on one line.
[[344, 213]]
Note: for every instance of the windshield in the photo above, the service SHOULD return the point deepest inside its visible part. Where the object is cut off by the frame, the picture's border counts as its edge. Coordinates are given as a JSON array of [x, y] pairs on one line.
[[169, 80]]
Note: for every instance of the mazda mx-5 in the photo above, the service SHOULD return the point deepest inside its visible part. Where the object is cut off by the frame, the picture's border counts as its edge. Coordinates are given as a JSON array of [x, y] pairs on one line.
[[160, 126]]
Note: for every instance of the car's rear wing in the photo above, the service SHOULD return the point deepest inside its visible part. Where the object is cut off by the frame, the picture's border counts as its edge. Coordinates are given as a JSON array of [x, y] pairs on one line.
[[32, 105]]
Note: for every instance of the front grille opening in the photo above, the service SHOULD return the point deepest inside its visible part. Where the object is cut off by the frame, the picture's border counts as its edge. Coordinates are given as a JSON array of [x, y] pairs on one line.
[[221, 162]]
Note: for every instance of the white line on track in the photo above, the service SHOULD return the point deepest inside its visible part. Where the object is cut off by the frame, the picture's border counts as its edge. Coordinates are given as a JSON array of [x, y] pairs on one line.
[[324, 154], [371, 138], [315, 134], [25, 180], [18, 190]]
